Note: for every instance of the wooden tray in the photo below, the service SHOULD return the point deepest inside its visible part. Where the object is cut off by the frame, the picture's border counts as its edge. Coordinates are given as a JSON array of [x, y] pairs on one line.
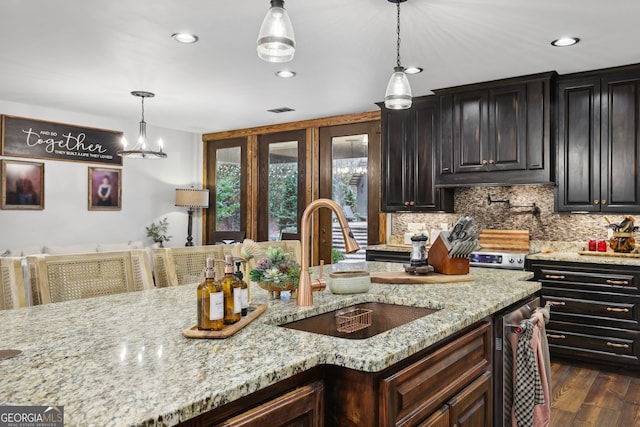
[[400, 277], [228, 330], [611, 254]]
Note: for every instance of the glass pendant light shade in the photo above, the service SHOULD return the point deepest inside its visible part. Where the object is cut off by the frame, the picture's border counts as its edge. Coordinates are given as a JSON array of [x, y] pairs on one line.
[[398, 94], [276, 41]]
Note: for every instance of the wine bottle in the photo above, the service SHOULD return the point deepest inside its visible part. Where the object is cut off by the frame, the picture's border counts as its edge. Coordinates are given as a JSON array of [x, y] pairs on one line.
[[244, 289], [210, 301], [232, 293]]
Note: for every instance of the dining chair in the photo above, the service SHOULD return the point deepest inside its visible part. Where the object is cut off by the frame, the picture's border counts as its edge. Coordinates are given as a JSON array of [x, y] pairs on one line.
[[76, 276], [12, 293], [184, 265], [220, 237]]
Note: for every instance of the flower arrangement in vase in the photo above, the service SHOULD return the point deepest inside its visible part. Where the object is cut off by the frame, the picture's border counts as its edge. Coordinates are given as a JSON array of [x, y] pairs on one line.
[[276, 272]]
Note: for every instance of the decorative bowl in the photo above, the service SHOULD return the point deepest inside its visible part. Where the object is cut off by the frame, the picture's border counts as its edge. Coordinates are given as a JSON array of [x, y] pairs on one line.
[[349, 282]]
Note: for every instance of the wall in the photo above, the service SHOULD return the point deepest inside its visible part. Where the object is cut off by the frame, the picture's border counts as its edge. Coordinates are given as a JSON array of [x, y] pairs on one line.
[[547, 226], [148, 190]]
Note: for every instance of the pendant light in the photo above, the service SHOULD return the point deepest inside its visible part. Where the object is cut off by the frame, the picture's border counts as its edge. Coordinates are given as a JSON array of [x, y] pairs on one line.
[[276, 42], [142, 149], [398, 94]]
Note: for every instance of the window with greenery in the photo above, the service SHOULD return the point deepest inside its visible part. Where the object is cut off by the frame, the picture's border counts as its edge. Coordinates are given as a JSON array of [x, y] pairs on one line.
[[228, 190]]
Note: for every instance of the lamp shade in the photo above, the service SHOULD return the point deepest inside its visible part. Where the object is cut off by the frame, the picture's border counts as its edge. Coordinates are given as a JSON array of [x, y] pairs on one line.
[[398, 94], [192, 198]]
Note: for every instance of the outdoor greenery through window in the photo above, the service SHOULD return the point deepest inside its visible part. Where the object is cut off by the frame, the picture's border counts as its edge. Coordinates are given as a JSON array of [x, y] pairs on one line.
[[228, 171], [283, 189]]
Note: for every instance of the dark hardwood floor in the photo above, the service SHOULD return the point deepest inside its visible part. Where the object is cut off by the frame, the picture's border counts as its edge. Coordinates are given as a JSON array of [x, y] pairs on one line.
[[598, 397]]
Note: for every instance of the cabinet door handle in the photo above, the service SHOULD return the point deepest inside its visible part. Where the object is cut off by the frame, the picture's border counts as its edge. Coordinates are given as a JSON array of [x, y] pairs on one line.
[[484, 162], [552, 276], [556, 302], [603, 202], [558, 337], [536, 165], [596, 202], [412, 203], [617, 345], [492, 162], [617, 282], [445, 169], [406, 203], [618, 310]]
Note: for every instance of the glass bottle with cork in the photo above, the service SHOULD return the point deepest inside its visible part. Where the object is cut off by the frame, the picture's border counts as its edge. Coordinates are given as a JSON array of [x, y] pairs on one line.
[[210, 301], [232, 293]]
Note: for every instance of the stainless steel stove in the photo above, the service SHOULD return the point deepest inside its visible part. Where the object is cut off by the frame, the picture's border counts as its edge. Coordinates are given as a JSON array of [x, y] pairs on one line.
[[509, 260]]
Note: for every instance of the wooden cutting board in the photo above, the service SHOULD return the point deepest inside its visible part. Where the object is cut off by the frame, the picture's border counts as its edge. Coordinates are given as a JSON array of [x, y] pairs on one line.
[[504, 240], [400, 277], [611, 254]]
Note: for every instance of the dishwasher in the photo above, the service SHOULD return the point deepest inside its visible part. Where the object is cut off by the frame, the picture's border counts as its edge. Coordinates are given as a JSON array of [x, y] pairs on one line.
[[503, 356]]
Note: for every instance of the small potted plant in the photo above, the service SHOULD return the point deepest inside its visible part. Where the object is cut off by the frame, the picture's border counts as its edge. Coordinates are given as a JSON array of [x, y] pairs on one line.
[[276, 272], [158, 232]]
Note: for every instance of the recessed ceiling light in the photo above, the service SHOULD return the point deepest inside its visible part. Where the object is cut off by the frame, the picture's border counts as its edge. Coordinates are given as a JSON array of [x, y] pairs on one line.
[[413, 70], [285, 74], [184, 37], [565, 41]]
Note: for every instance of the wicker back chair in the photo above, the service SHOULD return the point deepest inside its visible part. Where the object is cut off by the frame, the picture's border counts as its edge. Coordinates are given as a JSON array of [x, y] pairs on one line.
[[181, 266], [75, 276], [12, 294]]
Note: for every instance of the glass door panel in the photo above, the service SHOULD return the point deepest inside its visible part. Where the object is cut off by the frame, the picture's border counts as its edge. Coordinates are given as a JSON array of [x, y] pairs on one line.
[[283, 189], [281, 184], [228, 189]]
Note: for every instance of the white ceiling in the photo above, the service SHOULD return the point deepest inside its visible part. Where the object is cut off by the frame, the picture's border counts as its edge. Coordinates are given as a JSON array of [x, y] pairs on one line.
[[87, 55]]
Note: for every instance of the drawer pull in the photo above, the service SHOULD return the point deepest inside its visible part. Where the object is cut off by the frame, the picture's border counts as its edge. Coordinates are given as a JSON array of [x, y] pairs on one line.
[[551, 276], [616, 345], [618, 310], [617, 282], [557, 302], [558, 337]]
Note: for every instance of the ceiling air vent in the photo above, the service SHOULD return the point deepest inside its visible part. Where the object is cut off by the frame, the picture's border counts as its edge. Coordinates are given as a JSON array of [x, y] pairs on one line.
[[281, 110]]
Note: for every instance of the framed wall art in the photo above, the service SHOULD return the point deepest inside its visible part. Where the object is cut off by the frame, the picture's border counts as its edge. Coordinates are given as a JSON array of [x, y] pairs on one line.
[[22, 185], [105, 189]]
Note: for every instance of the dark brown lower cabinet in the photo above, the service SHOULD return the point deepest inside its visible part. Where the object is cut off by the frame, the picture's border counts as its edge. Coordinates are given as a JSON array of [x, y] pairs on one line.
[[472, 406], [302, 407], [448, 384]]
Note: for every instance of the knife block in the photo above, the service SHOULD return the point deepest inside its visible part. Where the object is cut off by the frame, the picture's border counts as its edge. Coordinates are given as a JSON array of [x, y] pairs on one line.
[[442, 263]]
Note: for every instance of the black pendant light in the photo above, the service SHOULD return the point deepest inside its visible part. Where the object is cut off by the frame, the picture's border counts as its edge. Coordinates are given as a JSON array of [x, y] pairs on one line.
[[398, 94], [142, 149]]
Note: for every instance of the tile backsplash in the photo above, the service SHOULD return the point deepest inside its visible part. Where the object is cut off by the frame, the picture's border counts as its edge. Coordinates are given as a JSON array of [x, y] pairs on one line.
[[547, 226]]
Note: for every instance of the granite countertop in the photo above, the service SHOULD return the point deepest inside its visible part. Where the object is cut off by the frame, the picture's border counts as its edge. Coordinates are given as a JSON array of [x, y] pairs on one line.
[[576, 257], [121, 360]]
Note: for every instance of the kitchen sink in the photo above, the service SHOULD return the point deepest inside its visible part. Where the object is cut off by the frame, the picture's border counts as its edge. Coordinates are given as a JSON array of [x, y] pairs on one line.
[[383, 317]]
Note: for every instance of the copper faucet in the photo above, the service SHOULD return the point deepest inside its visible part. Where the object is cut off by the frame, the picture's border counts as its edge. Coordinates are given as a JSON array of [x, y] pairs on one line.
[[306, 286]]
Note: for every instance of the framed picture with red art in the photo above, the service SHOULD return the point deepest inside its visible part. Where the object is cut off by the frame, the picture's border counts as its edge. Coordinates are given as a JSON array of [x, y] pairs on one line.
[[105, 189], [22, 185]]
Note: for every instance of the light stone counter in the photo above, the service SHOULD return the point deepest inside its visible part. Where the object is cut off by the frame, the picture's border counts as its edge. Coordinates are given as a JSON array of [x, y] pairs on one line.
[[576, 257], [121, 360]]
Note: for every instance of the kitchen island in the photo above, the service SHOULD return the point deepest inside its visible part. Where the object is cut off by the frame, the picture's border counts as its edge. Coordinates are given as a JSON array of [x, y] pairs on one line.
[[121, 360]]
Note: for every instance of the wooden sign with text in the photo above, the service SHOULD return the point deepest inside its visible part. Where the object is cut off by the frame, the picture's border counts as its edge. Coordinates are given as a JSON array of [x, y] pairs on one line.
[[23, 137]]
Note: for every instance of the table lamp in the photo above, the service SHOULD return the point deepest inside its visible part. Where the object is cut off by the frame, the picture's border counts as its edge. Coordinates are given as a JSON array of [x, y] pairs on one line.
[[191, 198]]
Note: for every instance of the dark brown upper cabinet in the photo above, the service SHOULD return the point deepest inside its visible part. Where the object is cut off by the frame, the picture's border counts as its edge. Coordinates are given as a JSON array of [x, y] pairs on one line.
[[409, 143], [496, 133], [598, 141]]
